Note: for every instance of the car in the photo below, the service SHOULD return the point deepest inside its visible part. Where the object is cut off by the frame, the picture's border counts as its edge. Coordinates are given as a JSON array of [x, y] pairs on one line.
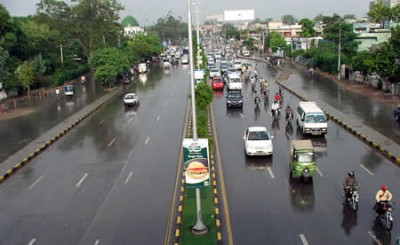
[[234, 82], [246, 53], [142, 68], [185, 59], [396, 114], [131, 99], [214, 72], [257, 141], [217, 82], [237, 64], [234, 98], [224, 68]]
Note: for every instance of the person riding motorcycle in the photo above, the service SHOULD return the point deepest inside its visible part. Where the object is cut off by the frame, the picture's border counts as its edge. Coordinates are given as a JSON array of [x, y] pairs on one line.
[[288, 111], [382, 196], [256, 97], [350, 182], [277, 97], [275, 108]]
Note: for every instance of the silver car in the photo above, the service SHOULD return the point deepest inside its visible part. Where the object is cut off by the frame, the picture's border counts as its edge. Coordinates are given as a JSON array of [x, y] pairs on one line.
[[131, 99]]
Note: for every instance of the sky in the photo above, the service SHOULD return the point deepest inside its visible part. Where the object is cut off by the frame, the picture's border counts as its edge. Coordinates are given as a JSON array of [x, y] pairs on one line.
[[148, 11]]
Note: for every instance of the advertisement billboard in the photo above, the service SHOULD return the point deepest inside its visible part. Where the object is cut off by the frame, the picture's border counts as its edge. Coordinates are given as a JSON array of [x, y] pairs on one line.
[[239, 15], [195, 158]]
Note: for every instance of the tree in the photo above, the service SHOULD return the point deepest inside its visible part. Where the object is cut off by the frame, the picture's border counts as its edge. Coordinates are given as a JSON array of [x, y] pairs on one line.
[[289, 19], [349, 17], [145, 46], [170, 28], [276, 42], [230, 31], [347, 36], [364, 62], [307, 27], [25, 73], [204, 95], [4, 71], [380, 13]]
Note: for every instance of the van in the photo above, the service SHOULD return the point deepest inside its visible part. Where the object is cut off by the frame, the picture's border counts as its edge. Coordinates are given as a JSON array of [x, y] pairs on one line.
[[234, 82], [142, 68], [311, 119]]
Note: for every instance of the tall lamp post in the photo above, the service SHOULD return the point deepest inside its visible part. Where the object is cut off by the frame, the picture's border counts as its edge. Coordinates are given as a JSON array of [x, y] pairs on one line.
[[199, 227], [339, 48]]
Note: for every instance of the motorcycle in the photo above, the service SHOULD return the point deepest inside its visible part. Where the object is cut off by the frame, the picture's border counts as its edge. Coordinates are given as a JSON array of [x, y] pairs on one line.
[[257, 101], [275, 113], [352, 198], [385, 215], [289, 117]]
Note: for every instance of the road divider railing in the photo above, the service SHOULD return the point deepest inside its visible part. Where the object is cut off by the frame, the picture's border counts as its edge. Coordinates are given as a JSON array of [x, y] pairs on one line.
[[39, 150]]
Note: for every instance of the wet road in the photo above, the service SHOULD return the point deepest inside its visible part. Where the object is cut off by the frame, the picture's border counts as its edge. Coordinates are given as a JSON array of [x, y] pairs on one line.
[[266, 207], [17, 132], [108, 181], [375, 114]]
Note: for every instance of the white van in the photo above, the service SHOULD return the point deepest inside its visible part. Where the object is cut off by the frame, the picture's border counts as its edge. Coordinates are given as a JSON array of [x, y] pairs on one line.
[[142, 68], [311, 119], [234, 82]]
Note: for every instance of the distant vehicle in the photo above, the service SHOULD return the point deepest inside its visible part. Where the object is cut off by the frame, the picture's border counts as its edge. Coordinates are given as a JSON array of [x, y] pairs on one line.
[[258, 142], [237, 64], [185, 51], [69, 90], [142, 67], [185, 59], [234, 98], [311, 119], [302, 159], [246, 53], [396, 113], [217, 82], [166, 64], [131, 99], [234, 82], [214, 72]]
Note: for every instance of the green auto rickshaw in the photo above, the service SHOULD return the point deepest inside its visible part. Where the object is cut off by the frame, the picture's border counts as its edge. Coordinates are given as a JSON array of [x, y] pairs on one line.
[[302, 159]]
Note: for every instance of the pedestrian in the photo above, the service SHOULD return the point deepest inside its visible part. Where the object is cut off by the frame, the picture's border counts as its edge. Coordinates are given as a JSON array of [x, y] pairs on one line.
[[57, 92]]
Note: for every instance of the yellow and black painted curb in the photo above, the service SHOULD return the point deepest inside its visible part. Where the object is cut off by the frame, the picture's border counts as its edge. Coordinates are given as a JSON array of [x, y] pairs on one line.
[[359, 135], [182, 189], [46, 145]]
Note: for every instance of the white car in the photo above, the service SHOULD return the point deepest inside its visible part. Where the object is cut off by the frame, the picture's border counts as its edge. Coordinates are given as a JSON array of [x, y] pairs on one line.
[[142, 68], [214, 72], [257, 141], [131, 99], [185, 59]]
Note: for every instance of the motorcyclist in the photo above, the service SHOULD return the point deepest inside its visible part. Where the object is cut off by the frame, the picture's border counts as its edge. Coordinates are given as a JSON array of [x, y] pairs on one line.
[[275, 107], [382, 196], [350, 182], [256, 97], [288, 111], [253, 82], [277, 97]]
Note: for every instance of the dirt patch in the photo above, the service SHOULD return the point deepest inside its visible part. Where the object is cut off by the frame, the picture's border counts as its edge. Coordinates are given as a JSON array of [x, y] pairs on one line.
[[15, 113]]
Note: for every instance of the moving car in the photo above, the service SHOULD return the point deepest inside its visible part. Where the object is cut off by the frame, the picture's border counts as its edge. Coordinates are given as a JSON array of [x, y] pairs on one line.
[[234, 82], [234, 98], [185, 59], [214, 72], [217, 82], [131, 99], [142, 68], [257, 141], [396, 113], [246, 53], [69, 90]]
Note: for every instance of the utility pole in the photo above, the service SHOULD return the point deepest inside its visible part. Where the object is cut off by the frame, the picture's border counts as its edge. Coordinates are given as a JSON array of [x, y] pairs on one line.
[[198, 37], [339, 48], [61, 54], [291, 42]]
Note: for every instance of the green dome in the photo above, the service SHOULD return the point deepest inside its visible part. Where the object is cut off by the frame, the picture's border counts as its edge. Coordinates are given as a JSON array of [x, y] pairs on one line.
[[129, 21]]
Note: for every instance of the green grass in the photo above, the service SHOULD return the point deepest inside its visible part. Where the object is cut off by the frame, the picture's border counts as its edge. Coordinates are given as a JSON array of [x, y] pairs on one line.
[[190, 217]]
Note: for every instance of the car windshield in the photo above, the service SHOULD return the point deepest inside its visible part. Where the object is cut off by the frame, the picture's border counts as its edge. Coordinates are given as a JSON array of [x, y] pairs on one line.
[[129, 97], [305, 157], [258, 135], [217, 80], [214, 70], [235, 80], [235, 95], [315, 118]]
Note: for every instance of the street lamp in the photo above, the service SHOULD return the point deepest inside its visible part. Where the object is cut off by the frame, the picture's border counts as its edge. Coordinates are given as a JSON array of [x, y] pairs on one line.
[[339, 48]]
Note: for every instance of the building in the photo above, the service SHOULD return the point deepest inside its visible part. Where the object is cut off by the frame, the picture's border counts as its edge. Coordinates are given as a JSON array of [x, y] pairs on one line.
[[131, 26]]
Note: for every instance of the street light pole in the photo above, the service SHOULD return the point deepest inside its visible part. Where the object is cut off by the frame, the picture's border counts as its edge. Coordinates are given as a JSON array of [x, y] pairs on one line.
[[339, 48], [198, 37], [199, 227]]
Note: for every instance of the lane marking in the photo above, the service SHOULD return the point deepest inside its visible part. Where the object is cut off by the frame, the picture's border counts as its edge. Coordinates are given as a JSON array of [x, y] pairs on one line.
[[97, 242], [366, 169], [35, 183], [101, 122], [158, 118], [271, 173], [319, 172], [147, 140], [371, 234], [32, 241], [303, 239], [111, 143], [82, 179], [128, 178]]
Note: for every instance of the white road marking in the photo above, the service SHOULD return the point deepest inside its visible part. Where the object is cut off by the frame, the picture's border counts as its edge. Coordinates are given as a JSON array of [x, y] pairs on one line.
[[271, 173], [366, 169], [128, 178], [82, 179], [35, 183], [319, 172], [303, 239], [241, 114], [147, 140], [32, 241], [158, 118], [166, 103], [111, 142], [101, 122], [97, 242], [371, 234]]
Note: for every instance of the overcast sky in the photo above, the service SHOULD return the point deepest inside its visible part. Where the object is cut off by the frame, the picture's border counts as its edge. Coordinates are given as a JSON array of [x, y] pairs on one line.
[[148, 11]]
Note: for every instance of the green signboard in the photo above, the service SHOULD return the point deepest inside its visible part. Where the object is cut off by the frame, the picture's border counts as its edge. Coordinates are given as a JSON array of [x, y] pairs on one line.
[[195, 158]]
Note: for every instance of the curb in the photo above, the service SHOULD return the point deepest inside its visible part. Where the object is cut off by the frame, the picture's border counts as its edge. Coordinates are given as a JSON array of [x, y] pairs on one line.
[[356, 133], [46, 145]]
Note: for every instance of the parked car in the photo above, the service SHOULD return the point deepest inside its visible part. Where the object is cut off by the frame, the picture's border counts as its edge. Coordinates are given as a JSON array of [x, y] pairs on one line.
[[258, 141], [217, 82], [214, 72], [396, 113], [234, 98], [131, 99]]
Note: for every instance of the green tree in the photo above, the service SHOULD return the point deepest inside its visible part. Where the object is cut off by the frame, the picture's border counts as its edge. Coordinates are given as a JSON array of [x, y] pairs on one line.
[[171, 28], [4, 71], [333, 31], [25, 73], [307, 27], [145, 46], [276, 42], [230, 31], [349, 17], [204, 95], [380, 13], [364, 62], [289, 19]]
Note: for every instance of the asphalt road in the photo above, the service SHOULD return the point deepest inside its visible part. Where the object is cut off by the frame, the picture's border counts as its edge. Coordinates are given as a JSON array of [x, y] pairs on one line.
[[108, 181], [266, 207]]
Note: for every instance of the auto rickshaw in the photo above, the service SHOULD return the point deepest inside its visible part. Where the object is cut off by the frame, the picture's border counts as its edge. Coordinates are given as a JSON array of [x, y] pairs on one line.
[[302, 159]]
